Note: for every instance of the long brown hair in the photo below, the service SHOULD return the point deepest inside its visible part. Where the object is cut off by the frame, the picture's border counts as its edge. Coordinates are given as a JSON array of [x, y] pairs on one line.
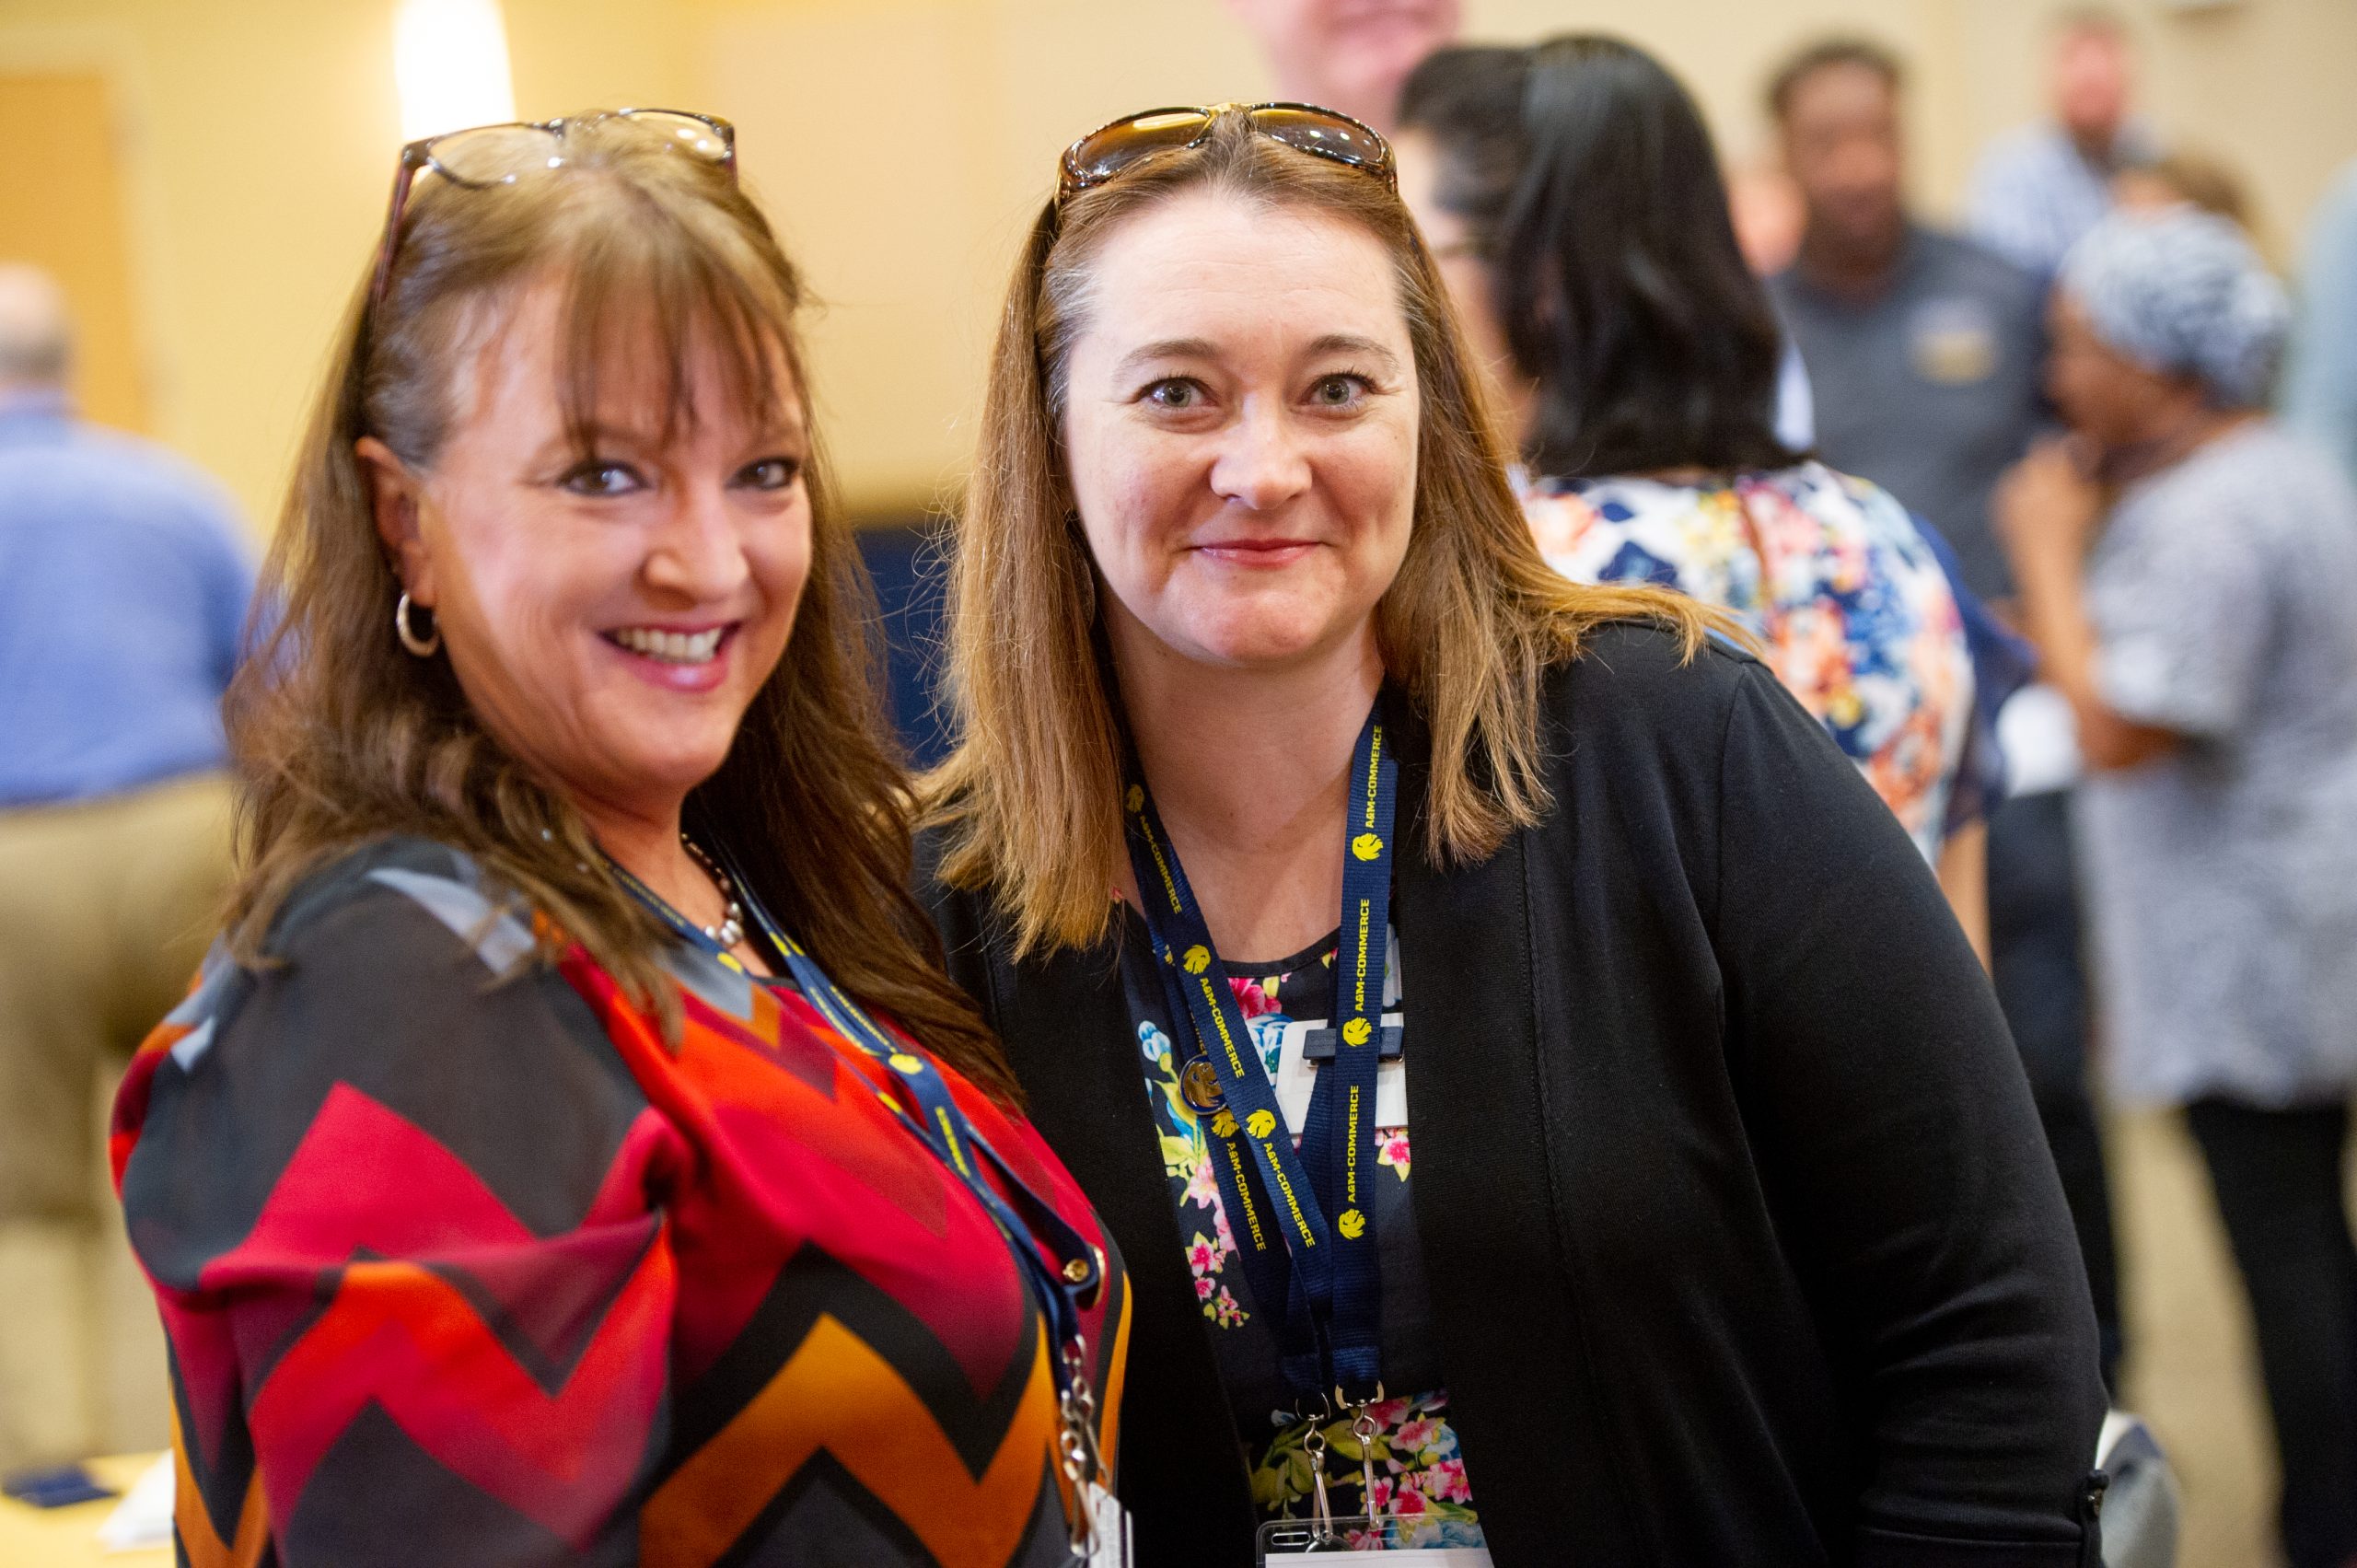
[[1031, 798], [340, 737]]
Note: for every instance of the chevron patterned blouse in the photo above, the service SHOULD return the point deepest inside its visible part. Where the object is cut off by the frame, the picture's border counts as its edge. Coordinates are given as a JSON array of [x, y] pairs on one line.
[[461, 1263]]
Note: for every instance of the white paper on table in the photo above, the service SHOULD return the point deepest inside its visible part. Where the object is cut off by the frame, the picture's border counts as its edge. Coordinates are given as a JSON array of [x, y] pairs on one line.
[[142, 1520]]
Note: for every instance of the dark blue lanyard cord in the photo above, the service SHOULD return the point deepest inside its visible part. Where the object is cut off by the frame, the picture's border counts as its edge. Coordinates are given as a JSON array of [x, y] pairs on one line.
[[1324, 1277], [944, 1129]]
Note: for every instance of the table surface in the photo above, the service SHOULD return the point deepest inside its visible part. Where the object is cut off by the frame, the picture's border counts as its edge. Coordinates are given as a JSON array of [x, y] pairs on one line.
[[68, 1537]]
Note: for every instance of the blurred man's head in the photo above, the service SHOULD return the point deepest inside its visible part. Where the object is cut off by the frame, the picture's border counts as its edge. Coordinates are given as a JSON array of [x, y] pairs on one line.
[[36, 338], [1348, 54], [2090, 78], [1837, 109]]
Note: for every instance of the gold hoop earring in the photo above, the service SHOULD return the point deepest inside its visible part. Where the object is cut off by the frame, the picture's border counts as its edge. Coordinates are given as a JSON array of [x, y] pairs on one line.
[[423, 647]]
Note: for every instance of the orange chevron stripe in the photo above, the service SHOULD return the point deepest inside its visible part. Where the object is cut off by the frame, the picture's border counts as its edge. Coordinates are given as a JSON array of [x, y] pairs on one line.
[[837, 1393], [199, 1547], [1109, 1399]]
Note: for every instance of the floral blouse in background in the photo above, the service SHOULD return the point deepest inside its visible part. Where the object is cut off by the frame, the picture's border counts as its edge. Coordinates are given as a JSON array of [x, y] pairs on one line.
[[1858, 618], [1419, 1476]]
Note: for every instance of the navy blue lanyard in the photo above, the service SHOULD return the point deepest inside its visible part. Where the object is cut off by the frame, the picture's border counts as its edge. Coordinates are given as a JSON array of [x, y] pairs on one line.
[[1062, 1290], [1325, 1278]]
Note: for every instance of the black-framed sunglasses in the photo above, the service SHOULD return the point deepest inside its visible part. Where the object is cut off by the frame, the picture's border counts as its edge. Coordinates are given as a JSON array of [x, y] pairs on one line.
[[484, 156], [1108, 151]]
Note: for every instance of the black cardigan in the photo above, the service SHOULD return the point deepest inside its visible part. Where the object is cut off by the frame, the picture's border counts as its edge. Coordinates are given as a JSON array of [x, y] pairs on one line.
[[1744, 1246]]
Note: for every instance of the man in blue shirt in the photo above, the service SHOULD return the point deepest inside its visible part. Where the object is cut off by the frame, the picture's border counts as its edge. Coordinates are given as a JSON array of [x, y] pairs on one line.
[[2037, 189], [125, 580]]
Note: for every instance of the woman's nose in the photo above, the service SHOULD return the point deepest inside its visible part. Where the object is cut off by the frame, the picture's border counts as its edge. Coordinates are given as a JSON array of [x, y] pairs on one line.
[[696, 551], [1261, 464]]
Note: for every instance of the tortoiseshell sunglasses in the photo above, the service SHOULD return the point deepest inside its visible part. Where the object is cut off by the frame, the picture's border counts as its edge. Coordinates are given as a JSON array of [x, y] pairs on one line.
[[484, 156], [1108, 151]]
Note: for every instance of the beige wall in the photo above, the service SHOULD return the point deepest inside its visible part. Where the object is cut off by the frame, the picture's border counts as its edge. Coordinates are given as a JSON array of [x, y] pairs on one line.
[[259, 137], [902, 145]]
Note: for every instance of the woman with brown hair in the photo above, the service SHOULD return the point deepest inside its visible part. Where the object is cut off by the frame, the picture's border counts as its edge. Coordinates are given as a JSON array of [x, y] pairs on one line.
[[1732, 1237], [573, 1152]]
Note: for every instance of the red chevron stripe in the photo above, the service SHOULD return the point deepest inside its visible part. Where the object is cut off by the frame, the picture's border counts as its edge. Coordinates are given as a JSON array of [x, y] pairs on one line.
[[367, 1178], [403, 1339], [364, 1180], [130, 1110], [802, 1158]]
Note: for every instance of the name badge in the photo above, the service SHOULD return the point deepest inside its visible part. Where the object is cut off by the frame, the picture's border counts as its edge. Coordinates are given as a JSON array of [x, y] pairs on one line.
[[1952, 343], [1111, 1547], [1299, 1541], [1298, 1072]]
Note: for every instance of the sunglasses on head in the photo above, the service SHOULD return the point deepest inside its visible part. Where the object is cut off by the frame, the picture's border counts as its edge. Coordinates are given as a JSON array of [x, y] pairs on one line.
[[484, 156], [1109, 151]]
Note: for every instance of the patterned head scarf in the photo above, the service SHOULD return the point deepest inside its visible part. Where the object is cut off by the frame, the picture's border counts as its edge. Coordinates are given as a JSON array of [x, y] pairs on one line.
[[2182, 292]]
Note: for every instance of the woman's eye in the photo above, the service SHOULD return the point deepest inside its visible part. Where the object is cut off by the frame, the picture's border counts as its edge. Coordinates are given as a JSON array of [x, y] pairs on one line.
[[770, 473], [1338, 392], [1176, 393], [595, 478]]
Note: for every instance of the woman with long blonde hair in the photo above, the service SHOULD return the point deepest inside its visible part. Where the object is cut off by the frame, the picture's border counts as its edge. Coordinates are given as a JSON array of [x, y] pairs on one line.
[[1732, 1237], [574, 1152]]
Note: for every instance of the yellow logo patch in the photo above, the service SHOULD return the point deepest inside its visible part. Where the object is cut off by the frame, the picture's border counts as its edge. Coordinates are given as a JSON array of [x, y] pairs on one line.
[[1260, 1124], [1366, 846], [1351, 1224], [1358, 1031], [1197, 958], [1135, 799], [1224, 1123], [903, 1062]]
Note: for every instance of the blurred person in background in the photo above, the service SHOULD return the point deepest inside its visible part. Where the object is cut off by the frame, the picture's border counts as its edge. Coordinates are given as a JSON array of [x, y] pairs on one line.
[[2038, 188], [1347, 54], [516, 1186], [1925, 351], [2185, 567], [2187, 178], [1578, 184], [125, 580], [1768, 212], [1726, 1235], [2320, 382], [1924, 348]]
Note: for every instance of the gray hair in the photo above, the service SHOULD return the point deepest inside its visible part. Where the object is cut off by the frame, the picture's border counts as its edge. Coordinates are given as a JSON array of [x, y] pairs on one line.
[[36, 335], [2181, 291]]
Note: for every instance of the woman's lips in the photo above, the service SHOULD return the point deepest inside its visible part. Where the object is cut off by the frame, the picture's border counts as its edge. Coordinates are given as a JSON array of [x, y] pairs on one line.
[[1261, 552], [676, 660]]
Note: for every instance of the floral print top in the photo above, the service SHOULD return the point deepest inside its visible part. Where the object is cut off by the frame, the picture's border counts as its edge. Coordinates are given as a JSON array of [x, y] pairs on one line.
[[1419, 1476], [1834, 577]]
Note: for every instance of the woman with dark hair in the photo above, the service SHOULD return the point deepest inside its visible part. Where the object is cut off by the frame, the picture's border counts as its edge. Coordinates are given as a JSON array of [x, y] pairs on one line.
[[1573, 195]]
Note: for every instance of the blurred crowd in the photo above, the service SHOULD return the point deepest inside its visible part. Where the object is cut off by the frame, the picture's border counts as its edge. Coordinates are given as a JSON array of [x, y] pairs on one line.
[[2047, 518]]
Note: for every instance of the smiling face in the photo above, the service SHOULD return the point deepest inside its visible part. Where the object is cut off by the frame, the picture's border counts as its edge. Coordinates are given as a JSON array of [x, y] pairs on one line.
[[609, 614], [1241, 423]]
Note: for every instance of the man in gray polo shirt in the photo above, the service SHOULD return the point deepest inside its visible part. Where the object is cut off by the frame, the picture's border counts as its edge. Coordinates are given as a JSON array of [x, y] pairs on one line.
[[1924, 349], [1925, 352]]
